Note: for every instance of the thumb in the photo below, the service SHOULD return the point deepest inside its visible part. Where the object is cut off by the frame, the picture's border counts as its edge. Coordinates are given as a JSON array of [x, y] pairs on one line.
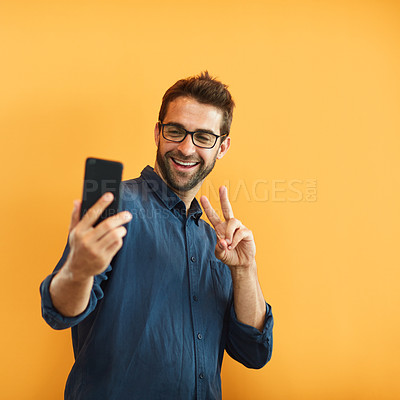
[[75, 214], [221, 249]]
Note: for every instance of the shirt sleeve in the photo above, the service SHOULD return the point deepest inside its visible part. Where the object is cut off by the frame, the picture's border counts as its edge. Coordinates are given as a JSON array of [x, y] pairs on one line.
[[50, 313], [247, 344]]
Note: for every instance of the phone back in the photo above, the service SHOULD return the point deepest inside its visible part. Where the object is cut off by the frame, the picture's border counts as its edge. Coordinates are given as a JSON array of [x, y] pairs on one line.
[[101, 176]]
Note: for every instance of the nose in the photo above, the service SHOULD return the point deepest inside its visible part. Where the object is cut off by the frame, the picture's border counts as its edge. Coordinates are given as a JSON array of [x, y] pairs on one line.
[[187, 147]]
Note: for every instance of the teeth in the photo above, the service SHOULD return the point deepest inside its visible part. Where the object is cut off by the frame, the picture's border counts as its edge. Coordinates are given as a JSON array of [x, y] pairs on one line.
[[186, 164]]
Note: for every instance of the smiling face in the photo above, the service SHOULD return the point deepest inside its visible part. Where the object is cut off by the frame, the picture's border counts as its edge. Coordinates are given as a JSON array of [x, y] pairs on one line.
[[184, 166]]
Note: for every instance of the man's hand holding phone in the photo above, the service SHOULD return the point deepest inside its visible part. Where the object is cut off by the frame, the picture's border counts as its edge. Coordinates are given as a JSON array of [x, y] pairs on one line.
[[92, 248]]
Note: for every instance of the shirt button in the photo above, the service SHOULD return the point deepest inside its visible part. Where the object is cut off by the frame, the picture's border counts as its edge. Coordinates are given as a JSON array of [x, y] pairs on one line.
[[192, 259], [199, 336], [195, 298], [201, 376]]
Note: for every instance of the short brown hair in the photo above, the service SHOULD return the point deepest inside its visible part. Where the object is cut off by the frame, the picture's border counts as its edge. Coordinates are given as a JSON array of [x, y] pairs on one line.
[[204, 89]]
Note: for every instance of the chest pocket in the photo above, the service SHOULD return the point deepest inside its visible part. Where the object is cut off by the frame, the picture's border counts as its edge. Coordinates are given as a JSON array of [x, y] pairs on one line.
[[222, 284]]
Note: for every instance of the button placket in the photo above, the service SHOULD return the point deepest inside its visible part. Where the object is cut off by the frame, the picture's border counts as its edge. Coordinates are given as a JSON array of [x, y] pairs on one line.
[[194, 276]]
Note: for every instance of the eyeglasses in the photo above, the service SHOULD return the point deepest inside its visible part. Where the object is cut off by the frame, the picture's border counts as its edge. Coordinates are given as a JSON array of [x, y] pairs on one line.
[[177, 134]]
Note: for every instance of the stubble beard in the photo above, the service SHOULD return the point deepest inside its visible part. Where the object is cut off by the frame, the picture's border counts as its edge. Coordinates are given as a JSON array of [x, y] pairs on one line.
[[169, 175]]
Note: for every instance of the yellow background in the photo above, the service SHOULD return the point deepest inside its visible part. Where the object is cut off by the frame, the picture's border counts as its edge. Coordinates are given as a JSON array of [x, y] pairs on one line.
[[317, 89]]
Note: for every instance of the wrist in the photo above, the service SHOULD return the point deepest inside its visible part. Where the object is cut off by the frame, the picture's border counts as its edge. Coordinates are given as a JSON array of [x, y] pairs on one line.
[[244, 271], [74, 275]]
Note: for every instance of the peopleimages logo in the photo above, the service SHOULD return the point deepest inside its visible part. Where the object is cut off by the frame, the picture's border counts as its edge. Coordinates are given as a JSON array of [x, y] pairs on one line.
[[91, 186], [259, 190], [263, 190]]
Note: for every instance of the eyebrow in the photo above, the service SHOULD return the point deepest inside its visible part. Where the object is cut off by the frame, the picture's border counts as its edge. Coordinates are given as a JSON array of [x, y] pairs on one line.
[[197, 130]]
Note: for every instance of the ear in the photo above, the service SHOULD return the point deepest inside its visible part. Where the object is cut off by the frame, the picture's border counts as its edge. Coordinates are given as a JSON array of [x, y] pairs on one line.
[[157, 133], [223, 148]]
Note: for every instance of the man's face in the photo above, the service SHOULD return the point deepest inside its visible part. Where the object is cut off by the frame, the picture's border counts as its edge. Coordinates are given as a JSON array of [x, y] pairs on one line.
[[184, 166]]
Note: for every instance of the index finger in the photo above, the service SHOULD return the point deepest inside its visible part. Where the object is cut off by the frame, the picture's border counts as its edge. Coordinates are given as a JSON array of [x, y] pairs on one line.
[[94, 212], [225, 204], [210, 212]]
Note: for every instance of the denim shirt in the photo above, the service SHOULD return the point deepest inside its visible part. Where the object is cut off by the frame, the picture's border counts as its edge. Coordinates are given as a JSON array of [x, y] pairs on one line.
[[161, 315]]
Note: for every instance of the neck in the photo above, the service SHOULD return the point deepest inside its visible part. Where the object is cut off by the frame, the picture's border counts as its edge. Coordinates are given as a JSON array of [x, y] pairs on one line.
[[186, 196]]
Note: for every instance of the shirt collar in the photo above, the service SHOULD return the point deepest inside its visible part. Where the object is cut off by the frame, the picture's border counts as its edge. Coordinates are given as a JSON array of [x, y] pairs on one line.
[[167, 195]]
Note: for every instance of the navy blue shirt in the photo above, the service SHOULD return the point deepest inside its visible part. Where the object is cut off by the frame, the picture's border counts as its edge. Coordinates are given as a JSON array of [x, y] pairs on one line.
[[161, 315]]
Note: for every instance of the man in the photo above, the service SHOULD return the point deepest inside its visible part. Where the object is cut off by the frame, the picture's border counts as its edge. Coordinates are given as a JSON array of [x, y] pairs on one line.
[[152, 314]]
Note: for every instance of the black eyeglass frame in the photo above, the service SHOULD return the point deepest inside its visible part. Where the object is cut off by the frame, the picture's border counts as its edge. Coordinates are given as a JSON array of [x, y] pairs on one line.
[[191, 134]]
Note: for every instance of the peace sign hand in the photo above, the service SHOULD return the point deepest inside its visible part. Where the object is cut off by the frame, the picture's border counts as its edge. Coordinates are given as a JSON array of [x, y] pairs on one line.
[[235, 246]]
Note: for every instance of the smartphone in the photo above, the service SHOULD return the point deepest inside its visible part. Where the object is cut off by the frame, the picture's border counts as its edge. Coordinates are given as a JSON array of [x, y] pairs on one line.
[[101, 176]]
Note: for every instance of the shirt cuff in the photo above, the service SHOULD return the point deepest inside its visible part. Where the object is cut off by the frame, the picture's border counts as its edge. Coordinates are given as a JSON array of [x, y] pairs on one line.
[[59, 321], [250, 333]]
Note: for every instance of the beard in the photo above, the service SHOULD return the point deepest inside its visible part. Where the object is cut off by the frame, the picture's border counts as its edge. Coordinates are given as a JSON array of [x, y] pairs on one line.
[[172, 177]]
